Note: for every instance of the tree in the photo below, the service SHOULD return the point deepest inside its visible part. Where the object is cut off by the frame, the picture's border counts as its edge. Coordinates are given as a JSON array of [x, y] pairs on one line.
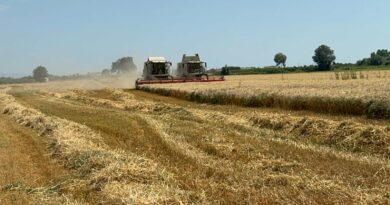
[[225, 70], [106, 72], [376, 59], [380, 57], [364, 61], [123, 65], [40, 74], [324, 57], [280, 59], [384, 53]]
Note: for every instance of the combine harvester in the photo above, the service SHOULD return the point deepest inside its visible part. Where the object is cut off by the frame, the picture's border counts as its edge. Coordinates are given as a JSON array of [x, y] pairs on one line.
[[190, 69]]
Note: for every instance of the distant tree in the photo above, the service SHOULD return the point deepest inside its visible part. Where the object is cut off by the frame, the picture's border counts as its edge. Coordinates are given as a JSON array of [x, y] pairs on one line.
[[40, 74], [383, 53], [225, 70], [280, 59], [375, 59], [380, 57], [324, 57], [106, 72], [123, 65], [364, 61]]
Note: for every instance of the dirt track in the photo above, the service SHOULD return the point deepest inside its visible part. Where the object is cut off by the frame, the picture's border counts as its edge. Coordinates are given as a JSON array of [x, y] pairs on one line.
[[221, 154]]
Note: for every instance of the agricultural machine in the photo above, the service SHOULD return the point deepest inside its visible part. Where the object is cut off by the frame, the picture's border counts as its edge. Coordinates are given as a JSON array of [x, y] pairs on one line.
[[190, 69], [157, 68]]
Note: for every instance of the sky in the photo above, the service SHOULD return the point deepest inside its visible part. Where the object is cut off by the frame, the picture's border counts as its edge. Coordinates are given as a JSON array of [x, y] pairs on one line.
[[80, 36]]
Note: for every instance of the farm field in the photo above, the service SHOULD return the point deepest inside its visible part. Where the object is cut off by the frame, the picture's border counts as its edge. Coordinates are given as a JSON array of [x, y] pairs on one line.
[[194, 103], [82, 143], [368, 95]]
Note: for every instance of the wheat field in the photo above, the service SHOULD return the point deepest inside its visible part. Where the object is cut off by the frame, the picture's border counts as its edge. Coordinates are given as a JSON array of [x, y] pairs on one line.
[[81, 143], [368, 94]]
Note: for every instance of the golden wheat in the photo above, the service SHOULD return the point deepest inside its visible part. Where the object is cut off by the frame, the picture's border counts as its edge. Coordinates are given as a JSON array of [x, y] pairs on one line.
[[202, 154], [83, 149], [307, 84], [310, 91]]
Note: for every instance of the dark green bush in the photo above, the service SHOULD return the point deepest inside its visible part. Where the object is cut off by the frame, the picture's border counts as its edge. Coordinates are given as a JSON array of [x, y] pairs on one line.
[[378, 109]]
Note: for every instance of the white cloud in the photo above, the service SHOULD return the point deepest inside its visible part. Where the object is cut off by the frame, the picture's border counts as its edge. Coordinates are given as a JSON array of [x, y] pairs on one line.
[[3, 7]]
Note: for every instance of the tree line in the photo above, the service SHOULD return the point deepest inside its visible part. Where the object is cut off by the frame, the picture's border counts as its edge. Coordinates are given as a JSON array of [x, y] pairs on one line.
[[324, 58], [380, 57]]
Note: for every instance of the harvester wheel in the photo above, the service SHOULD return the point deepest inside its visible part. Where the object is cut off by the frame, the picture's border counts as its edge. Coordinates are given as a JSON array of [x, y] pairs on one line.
[[137, 84], [204, 77]]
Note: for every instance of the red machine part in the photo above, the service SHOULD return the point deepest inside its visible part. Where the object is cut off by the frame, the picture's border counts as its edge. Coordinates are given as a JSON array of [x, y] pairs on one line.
[[139, 82]]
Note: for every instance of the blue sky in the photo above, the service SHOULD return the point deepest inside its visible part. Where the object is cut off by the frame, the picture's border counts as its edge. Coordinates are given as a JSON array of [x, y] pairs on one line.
[[71, 36]]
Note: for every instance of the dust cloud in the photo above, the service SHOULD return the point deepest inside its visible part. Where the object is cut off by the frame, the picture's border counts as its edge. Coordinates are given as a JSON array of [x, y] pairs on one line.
[[124, 81]]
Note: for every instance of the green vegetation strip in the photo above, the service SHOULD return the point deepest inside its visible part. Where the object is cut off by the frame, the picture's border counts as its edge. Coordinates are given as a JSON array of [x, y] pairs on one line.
[[341, 105]]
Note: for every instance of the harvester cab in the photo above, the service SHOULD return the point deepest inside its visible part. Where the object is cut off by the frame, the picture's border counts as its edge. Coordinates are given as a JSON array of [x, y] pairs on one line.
[[157, 68], [192, 67]]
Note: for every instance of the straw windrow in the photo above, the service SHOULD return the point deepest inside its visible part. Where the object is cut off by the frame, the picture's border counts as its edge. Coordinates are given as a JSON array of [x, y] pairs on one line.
[[97, 167]]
